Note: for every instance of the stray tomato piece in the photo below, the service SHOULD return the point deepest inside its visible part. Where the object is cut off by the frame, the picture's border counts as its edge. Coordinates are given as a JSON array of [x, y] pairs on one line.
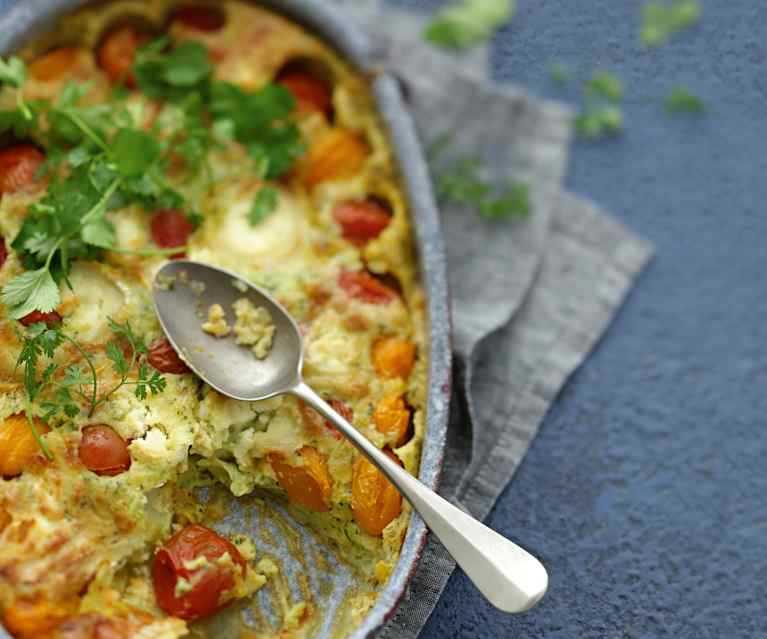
[[103, 451], [165, 359], [206, 19], [18, 166], [117, 51], [197, 555], [317, 424], [171, 228], [375, 501], [339, 153], [50, 319], [18, 446], [33, 619], [363, 286], [53, 64], [309, 484], [311, 94], [393, 357], [361, 220], [392, 418]]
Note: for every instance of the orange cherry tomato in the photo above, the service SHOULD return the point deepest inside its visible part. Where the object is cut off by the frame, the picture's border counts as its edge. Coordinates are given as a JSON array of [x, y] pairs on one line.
[[375, 501], [51, 318], [311, 94], [165, 359], [171, 228], [317, 424], [103, 451], [18, 446], [309, 484], [53, 64], [361, 220], [339, 153], [117, 52], [206, 19], [36, 618], [195, 555], [392, 418], [363, 286], [18, 166], [393, 357]]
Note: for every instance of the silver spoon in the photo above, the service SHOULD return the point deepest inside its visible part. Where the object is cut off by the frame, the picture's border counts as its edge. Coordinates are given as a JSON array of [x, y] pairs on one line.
[[507, 575]]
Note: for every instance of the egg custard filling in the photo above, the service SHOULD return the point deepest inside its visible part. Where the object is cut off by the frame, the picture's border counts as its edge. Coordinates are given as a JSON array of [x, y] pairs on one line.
[[137, 132]]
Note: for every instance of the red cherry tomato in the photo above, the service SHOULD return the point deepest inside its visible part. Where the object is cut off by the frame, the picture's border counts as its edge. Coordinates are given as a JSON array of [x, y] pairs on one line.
[[52, 318], [361, 220], [205, 583], [310, 93], [316, 422], [165, 359], [103, 451], [171, 228], [3, 251], [204, 19], [117, 51], [363, 286], [18, 166]]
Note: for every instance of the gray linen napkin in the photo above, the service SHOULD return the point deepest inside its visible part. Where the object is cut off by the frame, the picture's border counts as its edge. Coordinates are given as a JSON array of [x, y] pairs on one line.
[[530, 298]]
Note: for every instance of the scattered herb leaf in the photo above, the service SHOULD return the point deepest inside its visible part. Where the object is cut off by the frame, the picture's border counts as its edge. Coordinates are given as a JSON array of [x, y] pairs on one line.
[[604, 85], [264, 205], [558, 73], [660, 22], [466, 23], [597, 122], [681, 100]]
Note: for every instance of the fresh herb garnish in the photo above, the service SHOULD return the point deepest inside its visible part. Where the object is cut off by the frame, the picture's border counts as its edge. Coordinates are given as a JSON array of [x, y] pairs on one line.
[[603, 85], [172, 74], [558, 73], [13, 72], [681, 100], [660, 22], [466, 23], [596, 122], [264, 205]]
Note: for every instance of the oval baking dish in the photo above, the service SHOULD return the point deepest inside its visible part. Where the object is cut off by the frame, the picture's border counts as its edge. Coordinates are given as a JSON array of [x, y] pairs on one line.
[[27, 20]]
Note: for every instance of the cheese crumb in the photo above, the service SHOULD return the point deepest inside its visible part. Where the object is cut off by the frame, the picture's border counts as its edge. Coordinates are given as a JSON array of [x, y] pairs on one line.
[[253, 327], [216, 324]]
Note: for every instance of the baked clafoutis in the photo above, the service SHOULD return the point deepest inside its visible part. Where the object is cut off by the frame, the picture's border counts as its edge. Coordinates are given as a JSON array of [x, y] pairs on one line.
[[138, 132]]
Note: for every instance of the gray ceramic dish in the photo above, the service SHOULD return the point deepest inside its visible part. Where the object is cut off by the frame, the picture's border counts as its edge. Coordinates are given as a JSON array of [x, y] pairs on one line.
[[26, 19]]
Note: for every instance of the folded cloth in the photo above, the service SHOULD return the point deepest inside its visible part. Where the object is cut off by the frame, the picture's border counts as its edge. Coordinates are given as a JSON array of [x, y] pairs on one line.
[[530, 298]]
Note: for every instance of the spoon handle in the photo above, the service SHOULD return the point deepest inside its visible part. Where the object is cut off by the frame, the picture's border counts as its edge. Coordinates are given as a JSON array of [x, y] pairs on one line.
[[508, 576]]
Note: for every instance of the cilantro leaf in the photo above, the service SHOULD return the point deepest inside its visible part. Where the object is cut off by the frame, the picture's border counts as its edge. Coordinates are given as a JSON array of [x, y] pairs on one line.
[[468, 22], [264, 205], [660, 22], [514, 202], [558, 73], [133, 151], [171, 75], [681, 100], [605, 85], [594, 123], [33, 290], [13, 72]]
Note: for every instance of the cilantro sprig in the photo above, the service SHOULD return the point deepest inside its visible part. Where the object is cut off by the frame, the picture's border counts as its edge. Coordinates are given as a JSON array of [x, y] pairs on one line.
[[466, 23]]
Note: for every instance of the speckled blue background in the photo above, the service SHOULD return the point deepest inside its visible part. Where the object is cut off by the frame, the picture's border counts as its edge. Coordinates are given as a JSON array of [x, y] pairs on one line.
[[646, 492]]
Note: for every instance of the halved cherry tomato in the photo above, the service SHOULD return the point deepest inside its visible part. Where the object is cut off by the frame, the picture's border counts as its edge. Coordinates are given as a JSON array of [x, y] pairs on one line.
[[51, 318], [195, 555], [375, 501], [165, 359], [117, 51], [393, 357], [363, 286], [103, 451], [318, 424], [361, 220], [205, 19], [171, 228], [18, 446], [338, 153], [3, 251], [53, 64], [309, 484], [311, 94], [18, 166], [36, 618], [392, 418]]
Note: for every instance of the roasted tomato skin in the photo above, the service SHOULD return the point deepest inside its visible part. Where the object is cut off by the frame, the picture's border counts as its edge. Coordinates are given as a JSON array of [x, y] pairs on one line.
[[103, 451], [53, 64], [309, 484], [393, 357], [310, 93], [207, 582], [317, 424], [165, 359], [52, 318], [18, 166], [363, 286], [338, 153], [117, 51], [171, 228], [361, 220], [392, 418], [205, 19], [37, 619], [375, 501]]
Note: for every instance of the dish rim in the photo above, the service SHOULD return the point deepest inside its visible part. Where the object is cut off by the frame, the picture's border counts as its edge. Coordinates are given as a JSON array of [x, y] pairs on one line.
[[23, 21]]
